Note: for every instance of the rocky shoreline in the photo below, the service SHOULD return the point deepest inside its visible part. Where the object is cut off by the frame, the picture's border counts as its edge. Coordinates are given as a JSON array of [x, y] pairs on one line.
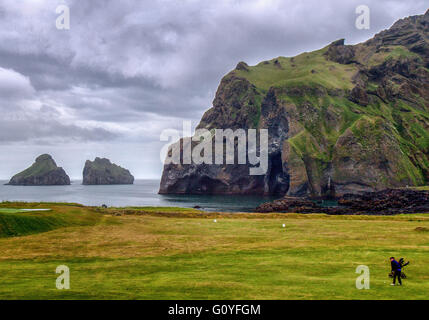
[[386, 202]]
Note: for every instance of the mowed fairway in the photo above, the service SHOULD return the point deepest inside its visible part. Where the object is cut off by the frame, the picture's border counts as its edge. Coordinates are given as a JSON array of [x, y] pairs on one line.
[[145, 255]]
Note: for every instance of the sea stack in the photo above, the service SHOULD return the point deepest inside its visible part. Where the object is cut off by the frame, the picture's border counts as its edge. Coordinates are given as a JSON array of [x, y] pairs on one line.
[[44, 172], [103, 172]]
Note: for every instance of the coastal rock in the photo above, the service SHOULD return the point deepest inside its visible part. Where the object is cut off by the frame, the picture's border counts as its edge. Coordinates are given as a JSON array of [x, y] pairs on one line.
[[103, 172], [390, 201], [44, 172], [343, 119], [386, 202], [288, 204]]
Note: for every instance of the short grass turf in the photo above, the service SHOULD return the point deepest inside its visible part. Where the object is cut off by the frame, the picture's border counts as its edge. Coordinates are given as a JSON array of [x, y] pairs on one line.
[[16, 222], [241, 256]]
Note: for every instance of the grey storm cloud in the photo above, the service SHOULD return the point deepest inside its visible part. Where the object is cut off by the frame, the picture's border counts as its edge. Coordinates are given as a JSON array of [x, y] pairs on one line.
[[41, 131], [126, 70], [26, 118]]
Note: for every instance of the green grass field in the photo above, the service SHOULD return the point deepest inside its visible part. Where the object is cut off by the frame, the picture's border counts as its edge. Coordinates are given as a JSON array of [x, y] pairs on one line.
[[165, 253]]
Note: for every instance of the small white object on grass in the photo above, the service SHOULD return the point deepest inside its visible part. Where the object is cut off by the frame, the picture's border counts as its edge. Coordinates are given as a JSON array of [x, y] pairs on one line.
[[215, 220], [284, 226]]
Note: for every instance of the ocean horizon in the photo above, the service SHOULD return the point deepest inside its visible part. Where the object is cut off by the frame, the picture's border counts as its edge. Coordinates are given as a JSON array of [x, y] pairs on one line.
[[143, 193]]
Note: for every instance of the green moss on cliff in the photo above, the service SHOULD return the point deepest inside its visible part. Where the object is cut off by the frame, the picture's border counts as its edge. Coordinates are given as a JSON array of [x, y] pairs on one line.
[[401, 52], [385, 54], [306, 81]]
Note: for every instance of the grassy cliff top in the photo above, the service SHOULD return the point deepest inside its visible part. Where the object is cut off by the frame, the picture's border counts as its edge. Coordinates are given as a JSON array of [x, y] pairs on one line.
[[43, 165], [102, 164], [307, 69]]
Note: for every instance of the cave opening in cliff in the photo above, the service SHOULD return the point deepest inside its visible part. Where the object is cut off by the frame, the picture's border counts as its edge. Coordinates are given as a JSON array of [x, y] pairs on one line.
[[277, 179]]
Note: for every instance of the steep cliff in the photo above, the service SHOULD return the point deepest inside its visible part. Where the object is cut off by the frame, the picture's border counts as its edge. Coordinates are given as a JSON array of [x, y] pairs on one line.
[[44, 172], [103, 172], [343, 119]]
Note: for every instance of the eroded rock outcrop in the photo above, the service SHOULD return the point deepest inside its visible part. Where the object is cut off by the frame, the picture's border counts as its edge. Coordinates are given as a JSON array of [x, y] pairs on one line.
[[103, 172], [44, 172]]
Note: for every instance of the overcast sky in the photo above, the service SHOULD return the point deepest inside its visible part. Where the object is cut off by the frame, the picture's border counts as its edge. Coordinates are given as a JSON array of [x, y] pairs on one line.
[[126, 70]]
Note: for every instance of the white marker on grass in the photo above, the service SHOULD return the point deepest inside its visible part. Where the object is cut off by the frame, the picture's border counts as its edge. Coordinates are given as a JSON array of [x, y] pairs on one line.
[[214, 220], [284, 226]]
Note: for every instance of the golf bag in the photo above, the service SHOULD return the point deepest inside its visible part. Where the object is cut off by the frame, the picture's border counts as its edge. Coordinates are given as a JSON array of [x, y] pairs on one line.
[[403, 264]]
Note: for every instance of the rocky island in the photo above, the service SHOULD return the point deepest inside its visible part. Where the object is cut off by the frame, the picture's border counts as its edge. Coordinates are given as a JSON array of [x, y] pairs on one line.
[[44, 172], [344, 119], [103, 172]]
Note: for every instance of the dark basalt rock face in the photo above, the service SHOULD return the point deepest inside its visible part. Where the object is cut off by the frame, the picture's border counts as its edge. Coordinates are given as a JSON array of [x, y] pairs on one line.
[[234, 179], [103, 172], [386, 202], [348, 118], [242, 66], [359, 96], [44, 172]]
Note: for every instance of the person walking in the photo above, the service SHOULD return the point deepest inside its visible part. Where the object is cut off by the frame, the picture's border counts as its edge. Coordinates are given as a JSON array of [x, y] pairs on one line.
[[396, 270]]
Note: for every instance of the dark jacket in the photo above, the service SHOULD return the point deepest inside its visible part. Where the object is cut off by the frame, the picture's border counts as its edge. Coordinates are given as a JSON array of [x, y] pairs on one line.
[[396, 266]]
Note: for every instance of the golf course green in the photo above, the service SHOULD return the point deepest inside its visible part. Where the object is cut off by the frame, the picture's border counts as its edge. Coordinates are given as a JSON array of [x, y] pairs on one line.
[[172, 253]]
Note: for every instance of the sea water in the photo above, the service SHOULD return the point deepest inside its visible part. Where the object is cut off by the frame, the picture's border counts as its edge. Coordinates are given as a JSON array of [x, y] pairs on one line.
[[141, 193]]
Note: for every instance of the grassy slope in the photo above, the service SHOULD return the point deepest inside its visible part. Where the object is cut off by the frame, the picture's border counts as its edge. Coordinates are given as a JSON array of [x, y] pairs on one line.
[[14, 222], [423, 188], [297, 71], [38, 168], [247, 257]]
